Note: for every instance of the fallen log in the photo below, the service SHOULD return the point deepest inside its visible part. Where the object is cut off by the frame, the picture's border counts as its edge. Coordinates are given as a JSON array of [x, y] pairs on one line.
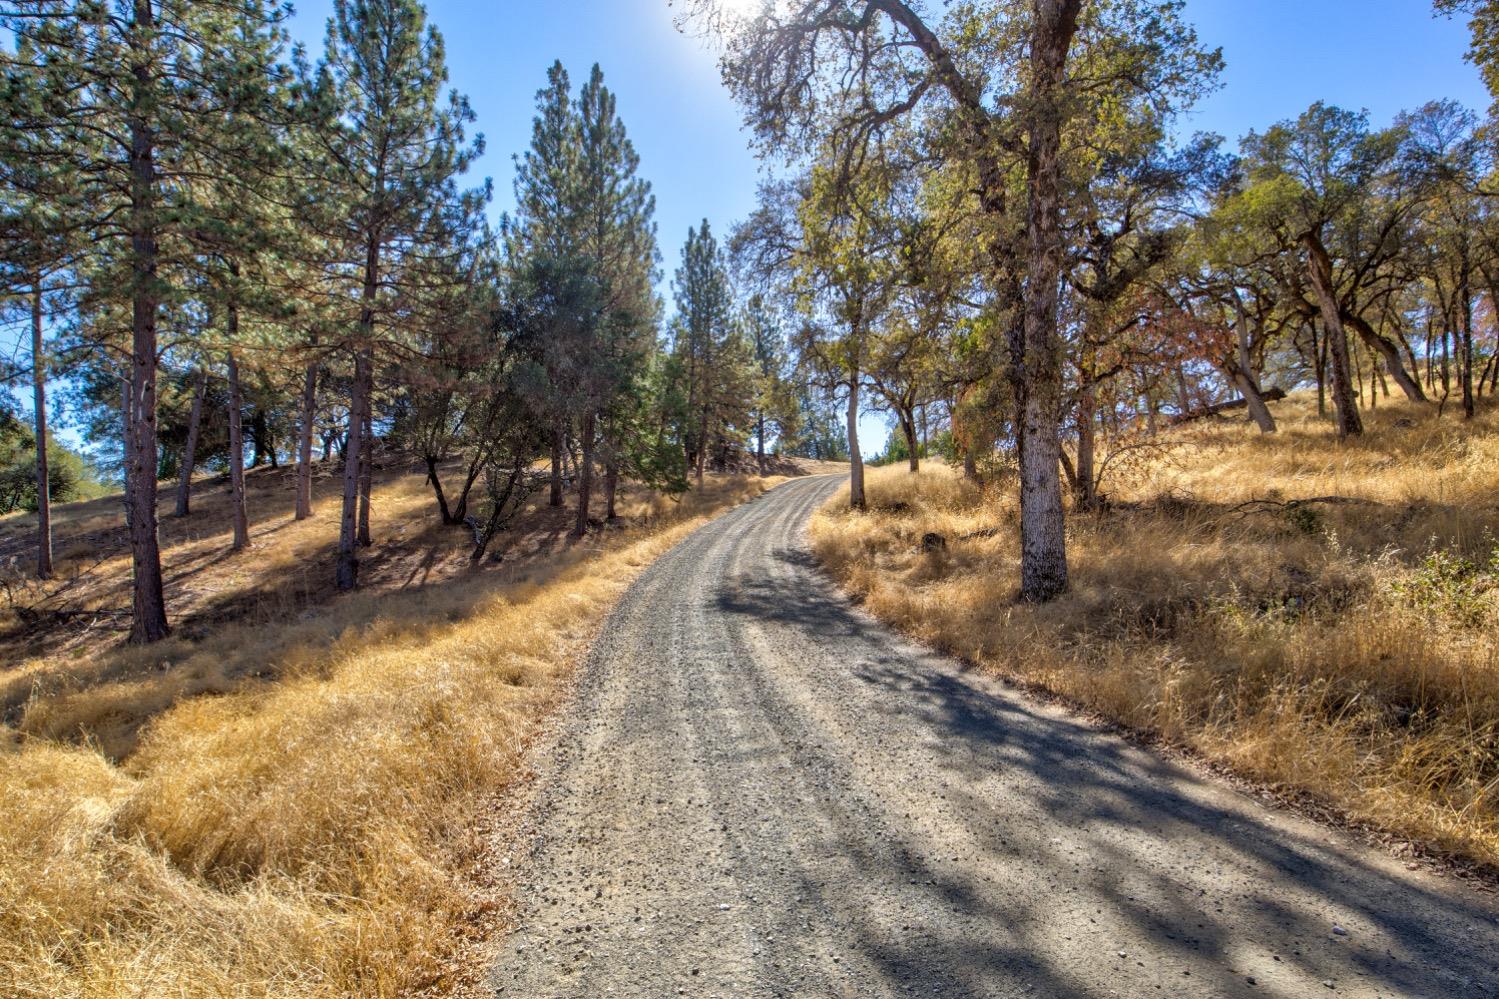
[[1273, 395]]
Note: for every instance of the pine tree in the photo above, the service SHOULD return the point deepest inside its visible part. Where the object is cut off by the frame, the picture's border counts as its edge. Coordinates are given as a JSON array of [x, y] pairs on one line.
[[618, 246], [705, 313], [134, 99], [584, 237], [772, 401], [539, 236], [387, 189]]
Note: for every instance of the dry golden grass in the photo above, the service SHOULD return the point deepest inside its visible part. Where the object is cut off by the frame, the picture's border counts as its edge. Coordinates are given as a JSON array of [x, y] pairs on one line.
[[302, 833], [1346, 651]]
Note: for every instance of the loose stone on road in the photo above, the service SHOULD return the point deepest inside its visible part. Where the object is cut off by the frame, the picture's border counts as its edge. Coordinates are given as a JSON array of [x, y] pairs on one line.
[[762, 792]]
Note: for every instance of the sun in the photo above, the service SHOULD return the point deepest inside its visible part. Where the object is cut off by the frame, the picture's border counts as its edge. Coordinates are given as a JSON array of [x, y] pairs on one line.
[[743, 9]]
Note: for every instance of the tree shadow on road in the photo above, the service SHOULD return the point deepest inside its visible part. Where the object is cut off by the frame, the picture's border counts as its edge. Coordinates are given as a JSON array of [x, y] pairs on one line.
[[1103, 821]]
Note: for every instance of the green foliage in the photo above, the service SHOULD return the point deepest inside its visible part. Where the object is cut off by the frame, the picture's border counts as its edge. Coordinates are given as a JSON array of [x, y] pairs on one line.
[[819, 433], [897, 451], [715, 353], [1483, 25], [1448, 585], [1303, 519], [583, 263], [69, 476]]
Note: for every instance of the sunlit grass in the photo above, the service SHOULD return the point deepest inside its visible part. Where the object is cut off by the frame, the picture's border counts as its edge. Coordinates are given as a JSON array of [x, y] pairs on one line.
[[302, 833], [1323, 648]]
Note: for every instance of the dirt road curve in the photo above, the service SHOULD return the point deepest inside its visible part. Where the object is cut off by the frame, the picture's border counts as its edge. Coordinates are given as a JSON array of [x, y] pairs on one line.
[[761, 792]]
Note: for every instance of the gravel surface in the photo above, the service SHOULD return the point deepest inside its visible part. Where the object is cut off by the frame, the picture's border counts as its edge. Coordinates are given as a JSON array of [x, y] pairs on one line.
[[762, 792]]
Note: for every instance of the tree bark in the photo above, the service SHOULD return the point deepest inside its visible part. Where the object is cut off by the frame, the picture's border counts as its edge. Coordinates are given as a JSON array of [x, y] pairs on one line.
[[1243, 375], [347, 570], [1254, 399], [702, 445], [856, 499], [346, 573], [190, 451], [1043, 538], [611, 486], [913, 446], [304, 443], [366, 467], [39, 405], [435, 481], [1465, 299], [237, 511], [556, 494], [1389, 353], [1319, 268], [1358, 377], [148, 603], [760, 441], [585, 476], [1084, 483], [1374, 366]]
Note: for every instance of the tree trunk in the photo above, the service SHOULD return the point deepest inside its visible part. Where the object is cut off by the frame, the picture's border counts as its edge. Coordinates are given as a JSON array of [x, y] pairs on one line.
[[611, 486], [1390, 353], [1379, 378], [856, 499], [190, 451], [702, 445], [556, 496], [1319, 361], [1446, 360], [347, 573], [435, 481], [257, 437], [304, 443], [237, 511], [1245, 378], [913, 446], [1043, 538], [1431, 351], [1084, 484], [1358, 377], [1254, 399], [585, 476], [366, 466], [1466, 301], [148, 604], [1319, 268], [39, 404], [760, 442]]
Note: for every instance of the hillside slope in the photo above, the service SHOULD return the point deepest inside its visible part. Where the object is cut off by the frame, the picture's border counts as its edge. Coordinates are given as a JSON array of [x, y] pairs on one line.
[[280, 799], [1321, 618]]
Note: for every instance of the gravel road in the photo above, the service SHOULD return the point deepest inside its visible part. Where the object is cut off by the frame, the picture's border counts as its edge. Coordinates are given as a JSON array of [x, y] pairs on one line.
[[761, 792]]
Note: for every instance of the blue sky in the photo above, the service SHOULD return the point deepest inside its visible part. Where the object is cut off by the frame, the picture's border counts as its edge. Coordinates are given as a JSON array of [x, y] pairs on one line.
[[1382, 55]]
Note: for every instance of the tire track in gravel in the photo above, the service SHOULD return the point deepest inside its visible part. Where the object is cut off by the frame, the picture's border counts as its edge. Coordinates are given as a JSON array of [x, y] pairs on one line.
[[760, 791]]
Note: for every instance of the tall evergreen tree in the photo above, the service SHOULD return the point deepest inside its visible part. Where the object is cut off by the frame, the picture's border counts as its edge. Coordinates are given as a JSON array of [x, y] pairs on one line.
[[703, 330], [617, 244], [388, 188], [585, 236], [136, 99]]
